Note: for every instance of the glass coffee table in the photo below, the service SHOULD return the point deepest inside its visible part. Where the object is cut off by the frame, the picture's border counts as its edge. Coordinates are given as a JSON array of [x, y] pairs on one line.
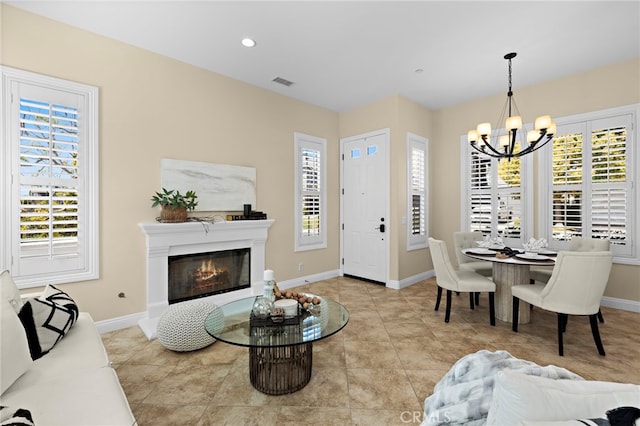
[[280, 354]]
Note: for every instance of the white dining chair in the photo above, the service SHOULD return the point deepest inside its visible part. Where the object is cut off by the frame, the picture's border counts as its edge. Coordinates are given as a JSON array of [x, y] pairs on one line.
[[583, 244], [463, 240], [458, 280], [577, 283]]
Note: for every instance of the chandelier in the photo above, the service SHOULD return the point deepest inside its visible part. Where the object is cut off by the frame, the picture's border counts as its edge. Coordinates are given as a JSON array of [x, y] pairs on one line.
[[504, 146]]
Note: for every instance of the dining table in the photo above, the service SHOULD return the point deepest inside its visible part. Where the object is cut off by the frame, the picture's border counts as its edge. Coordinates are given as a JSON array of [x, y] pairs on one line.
[[510, 270]]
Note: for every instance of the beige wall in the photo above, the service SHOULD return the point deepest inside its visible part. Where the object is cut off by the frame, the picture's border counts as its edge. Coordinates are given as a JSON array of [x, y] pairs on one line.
[[415, 119], [152, 107], [400, 115], [606, 87], [382, 114]]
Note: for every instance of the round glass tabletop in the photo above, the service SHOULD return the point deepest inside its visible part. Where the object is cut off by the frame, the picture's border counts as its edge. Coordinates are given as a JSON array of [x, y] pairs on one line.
[[232, 323]]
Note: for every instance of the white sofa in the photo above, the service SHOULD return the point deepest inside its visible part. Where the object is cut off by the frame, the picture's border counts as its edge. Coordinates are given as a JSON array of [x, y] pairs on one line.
[[522, 399], [496, 388], [72, 384]]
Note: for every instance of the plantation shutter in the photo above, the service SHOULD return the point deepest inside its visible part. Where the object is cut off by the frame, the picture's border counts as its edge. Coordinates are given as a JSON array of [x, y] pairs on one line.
[[592, 194], [417, 192], [509, 203], [418, 182], [52, 190], [310, 192], [609, 201], [481, 175], [48, 180], [566, 171], [495, 197]]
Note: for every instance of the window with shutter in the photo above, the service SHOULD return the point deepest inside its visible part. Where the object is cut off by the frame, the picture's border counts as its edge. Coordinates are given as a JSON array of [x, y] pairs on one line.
[[417, 162], [493, 196], [48, 179], [310, 192], [50, 173], [311, 187], [480, 200], [592, 171], [566, 154], [609, 184]]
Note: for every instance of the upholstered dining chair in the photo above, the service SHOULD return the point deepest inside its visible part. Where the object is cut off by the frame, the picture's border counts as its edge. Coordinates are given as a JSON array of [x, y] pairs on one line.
[[577, 283], [458, 280], [463, 240], [575, 244]]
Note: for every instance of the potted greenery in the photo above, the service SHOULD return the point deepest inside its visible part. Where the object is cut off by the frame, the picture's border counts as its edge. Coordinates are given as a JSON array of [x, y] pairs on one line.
[[174, 204]]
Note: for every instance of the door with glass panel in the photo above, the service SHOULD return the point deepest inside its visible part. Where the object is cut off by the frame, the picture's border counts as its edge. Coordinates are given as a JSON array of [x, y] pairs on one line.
[[365, 206]]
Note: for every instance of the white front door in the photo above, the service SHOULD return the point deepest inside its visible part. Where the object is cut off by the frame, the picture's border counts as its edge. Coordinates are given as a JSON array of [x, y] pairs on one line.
[[365, 205]]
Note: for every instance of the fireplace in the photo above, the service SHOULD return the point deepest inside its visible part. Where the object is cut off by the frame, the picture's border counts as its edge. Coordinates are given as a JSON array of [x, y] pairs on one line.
[[167, 241], [204, 274]]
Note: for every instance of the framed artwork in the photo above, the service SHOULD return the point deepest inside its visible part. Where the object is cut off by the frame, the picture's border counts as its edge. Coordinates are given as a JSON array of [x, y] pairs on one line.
[[219, 187]]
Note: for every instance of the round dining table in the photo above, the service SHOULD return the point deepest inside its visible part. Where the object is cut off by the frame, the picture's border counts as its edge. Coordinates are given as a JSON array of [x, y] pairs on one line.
[[507, 272]]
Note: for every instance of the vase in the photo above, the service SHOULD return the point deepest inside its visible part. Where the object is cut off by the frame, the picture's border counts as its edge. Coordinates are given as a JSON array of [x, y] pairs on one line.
[[173, 214]]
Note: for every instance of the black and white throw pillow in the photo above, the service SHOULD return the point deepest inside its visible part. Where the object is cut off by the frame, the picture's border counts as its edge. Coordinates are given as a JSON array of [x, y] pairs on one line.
[[15, 417], [46, 319]]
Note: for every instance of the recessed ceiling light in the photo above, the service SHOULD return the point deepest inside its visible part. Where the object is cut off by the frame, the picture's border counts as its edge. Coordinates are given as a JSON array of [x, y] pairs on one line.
[[248, 42]]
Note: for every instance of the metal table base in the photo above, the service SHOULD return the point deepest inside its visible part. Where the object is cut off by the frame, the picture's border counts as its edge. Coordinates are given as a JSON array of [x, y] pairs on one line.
[[282, 369]]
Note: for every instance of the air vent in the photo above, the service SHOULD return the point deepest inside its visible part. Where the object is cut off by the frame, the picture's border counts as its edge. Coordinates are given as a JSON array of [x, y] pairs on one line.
[[282, 81]]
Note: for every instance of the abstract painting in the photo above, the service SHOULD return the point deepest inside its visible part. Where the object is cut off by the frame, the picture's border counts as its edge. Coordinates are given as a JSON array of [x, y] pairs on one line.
[[219, 187]]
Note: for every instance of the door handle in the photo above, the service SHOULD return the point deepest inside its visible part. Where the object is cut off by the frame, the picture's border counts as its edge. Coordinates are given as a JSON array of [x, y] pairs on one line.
[[381, 227]]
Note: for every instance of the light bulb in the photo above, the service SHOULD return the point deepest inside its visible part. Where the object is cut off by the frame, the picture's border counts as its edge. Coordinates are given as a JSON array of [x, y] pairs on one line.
[[484, 129], [514, 123], [551, 130], [543, 122]]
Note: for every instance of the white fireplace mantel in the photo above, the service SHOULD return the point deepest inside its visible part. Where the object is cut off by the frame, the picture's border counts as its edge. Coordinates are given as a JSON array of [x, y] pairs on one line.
[[172, 239]]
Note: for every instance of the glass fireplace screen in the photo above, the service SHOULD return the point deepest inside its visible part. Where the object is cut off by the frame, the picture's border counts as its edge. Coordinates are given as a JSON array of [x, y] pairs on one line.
[[205, 274]]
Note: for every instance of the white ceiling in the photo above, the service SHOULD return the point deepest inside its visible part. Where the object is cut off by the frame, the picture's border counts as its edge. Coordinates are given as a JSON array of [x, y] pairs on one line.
[[344, 54]]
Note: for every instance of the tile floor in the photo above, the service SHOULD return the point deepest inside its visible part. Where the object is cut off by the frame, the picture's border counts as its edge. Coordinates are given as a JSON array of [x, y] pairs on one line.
[[377, 371]]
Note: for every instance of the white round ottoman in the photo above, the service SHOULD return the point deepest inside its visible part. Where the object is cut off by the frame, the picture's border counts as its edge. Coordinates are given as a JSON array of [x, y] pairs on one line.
[[181, 326]]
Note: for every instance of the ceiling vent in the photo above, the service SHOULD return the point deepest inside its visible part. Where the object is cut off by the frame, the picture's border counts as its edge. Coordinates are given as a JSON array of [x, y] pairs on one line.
[[282, 81]]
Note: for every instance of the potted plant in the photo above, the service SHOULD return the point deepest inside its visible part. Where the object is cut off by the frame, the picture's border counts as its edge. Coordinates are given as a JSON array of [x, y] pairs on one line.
[[174, 204]]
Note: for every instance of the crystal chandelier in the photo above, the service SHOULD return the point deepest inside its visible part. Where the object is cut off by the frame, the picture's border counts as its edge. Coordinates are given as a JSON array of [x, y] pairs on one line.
[[504, 146]]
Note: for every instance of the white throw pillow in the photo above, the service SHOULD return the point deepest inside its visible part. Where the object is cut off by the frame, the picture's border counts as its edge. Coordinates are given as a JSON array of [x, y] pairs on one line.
[[9, 291], [520, 397], [15, 358]]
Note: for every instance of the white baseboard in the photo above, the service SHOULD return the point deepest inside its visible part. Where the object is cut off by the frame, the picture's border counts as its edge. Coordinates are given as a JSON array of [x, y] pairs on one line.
[[308, 279], [622, 304], [126, 321], [409, 281], [119, 323], [149, 327]]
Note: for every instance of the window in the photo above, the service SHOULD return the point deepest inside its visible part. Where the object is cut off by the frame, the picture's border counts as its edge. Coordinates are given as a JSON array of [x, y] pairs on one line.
[[310, 196], [496, 195], [50, 174], [590, 172], [417, 162]]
